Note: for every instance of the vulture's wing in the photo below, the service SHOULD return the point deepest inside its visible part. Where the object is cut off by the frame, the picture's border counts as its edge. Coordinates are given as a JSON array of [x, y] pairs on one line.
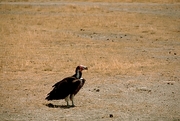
[[61, 89]]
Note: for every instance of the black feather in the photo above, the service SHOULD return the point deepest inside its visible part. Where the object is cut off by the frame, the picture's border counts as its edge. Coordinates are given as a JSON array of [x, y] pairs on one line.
[[63, 88]]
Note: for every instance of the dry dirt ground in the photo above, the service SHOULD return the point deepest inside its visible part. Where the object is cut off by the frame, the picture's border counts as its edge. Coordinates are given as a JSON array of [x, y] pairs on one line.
[[132, 51]]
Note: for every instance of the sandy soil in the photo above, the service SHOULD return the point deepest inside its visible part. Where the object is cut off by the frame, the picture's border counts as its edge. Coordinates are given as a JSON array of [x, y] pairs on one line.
[[132, 51]]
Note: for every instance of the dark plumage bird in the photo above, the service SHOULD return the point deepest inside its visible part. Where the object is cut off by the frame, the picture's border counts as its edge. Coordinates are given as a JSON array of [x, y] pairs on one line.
[[68, 87]]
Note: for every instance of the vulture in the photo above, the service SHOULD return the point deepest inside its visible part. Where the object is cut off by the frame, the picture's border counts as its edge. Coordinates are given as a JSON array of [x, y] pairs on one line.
[[68, 87]]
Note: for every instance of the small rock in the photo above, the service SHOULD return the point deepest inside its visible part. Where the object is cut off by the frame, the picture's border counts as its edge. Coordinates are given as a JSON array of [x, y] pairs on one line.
[[144, 89], [170, 83], [97, 90], [110, 115]]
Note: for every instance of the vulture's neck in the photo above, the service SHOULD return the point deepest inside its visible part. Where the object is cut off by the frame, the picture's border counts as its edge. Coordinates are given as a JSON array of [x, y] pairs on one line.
[[78, 74]]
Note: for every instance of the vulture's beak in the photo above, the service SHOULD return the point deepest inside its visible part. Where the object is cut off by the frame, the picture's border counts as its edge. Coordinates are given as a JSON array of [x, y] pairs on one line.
[[85, 68]]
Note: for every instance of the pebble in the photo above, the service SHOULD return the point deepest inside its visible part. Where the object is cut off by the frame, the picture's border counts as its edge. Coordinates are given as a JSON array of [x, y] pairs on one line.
[[110, 115]]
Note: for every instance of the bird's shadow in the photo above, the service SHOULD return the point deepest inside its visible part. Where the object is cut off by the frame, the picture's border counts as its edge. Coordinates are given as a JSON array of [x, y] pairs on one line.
[[50, 105]]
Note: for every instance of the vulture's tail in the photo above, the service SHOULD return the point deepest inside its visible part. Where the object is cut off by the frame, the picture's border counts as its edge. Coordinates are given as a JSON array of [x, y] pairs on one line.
[[48, 97]]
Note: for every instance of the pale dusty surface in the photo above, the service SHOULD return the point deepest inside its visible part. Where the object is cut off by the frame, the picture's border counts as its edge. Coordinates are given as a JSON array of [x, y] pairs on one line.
[[132, 51]]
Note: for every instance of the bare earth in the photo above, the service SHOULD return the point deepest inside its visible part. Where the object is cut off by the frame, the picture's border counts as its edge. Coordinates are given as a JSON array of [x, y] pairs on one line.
[[132, 50]]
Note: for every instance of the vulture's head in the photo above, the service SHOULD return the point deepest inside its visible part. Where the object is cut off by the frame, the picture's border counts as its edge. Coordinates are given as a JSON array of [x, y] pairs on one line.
[[81, 68]]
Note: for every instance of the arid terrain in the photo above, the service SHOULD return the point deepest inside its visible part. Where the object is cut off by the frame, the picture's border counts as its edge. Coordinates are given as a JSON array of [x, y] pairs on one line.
[[132, 49]]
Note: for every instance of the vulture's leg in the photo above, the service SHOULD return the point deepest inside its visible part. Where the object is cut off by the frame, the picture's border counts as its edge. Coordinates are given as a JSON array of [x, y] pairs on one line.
[[67, 100], [72, 99]]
